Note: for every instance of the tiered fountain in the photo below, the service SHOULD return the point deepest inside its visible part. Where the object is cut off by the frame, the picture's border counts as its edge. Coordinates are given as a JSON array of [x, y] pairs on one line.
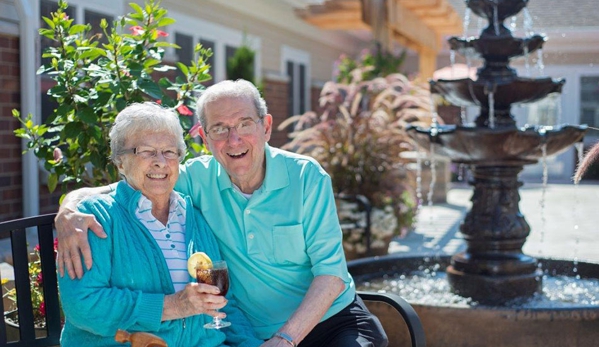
[[493, 271]]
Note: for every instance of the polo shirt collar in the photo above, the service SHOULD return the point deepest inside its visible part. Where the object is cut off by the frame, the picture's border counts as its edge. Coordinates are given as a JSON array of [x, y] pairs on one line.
[[276, 176]]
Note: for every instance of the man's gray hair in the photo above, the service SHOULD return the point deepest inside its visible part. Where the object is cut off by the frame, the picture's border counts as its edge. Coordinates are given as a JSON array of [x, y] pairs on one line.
[[144, 119], [234, 89]]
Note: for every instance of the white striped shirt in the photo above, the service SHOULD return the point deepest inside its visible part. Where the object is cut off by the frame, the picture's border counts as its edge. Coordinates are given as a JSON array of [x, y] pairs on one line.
[[170, 238]]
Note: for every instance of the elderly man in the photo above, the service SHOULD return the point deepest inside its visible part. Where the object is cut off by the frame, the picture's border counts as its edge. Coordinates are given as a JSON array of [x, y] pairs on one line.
[[274, 217]]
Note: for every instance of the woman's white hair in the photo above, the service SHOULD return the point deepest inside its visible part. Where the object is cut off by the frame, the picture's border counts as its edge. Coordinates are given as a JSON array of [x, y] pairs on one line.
[[144, 118]]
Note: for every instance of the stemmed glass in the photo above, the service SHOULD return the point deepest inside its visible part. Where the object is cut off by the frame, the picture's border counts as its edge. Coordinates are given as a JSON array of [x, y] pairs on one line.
[[217, 276]]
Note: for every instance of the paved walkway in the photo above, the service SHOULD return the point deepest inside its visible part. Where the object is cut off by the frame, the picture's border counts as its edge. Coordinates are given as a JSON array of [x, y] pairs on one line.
[[566, 228]]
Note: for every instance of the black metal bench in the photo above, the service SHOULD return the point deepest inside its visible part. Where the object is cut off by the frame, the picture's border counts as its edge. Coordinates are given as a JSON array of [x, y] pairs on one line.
[[379, 304], [16, 230]]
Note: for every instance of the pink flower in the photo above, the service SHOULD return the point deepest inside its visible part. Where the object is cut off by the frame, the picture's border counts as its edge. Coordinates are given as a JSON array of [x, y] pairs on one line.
[[161, 33], [159, 102], [184, 111], [40, 279], [57, 156], [137, 30], [195, 130], [36, 248]]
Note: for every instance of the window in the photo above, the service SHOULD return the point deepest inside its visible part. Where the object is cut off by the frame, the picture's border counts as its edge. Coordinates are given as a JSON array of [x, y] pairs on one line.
[[589, 100], [185, 52], [296, 66]]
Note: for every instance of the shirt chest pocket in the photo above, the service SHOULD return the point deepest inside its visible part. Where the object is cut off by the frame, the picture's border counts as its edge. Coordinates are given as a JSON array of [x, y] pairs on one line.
[[289, 245]]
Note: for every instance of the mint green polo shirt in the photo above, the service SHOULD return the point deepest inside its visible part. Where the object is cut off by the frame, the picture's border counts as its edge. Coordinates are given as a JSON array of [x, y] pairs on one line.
[[276, 242]]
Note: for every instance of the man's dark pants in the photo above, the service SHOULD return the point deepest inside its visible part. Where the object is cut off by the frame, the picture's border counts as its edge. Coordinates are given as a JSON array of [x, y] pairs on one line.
[[354, 326]]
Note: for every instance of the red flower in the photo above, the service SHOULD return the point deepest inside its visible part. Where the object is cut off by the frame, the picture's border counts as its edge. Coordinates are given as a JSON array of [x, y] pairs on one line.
[[161, 33], [195, 130], [36, 248], [184, 110], [43, 308], [137, 30], [159, 102], [40, 279]]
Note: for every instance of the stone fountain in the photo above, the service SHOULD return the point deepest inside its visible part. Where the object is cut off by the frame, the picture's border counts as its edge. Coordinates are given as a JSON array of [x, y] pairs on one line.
[[493, 270]]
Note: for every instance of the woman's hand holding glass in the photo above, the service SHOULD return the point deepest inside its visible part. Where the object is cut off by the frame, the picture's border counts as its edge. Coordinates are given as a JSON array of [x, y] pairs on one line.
[[195, 298]]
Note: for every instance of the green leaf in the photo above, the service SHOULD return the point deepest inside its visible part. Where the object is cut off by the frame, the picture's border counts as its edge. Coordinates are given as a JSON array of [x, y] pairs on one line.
[[50, 23], [164, 44], [136, 8], [52, 181], [72, 129], [166, 21], [183, 68], [87, 115], [150, 88], [77, 28], [165, 82]]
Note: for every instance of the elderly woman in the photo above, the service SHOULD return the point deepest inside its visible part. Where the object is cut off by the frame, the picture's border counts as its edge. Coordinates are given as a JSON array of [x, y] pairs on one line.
[[139, 281]]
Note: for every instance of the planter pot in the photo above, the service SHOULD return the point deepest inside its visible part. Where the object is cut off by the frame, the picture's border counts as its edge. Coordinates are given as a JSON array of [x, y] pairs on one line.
[[12, 328], [352, 254]]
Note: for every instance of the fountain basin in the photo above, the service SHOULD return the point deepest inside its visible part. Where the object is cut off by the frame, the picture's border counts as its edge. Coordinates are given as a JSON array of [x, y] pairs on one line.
[[466, 92], [496, 146], [480, 325], [496, 47], [502, 9]]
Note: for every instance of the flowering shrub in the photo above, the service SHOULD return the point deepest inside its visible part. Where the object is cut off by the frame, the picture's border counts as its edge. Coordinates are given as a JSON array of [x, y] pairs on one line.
[[36, 281], [94, 81], [359, 138]]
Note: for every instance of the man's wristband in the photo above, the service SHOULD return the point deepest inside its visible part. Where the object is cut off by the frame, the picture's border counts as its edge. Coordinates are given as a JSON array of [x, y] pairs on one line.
[[285, 337]]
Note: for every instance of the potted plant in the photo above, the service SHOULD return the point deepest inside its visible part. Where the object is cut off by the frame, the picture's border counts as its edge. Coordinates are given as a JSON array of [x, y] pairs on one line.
[[36, 279], [358, 138]]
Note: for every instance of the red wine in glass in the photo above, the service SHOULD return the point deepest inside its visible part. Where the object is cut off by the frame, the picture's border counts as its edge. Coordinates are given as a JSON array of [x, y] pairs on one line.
[[217, 276]]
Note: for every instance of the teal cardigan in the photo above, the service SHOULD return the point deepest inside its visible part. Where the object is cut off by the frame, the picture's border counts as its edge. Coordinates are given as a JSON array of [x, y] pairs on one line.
[[126, 286]]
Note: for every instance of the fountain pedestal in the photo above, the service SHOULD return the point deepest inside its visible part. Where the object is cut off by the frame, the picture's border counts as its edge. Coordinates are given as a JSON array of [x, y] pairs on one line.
[[493, 269]]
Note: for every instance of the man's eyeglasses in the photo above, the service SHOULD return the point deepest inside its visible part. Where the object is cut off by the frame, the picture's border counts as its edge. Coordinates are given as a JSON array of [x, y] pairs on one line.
[[147, 152], [243, 128]]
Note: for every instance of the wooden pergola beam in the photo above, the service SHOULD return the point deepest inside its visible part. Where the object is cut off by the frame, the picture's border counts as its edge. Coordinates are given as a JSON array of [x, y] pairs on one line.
[[415, 24]]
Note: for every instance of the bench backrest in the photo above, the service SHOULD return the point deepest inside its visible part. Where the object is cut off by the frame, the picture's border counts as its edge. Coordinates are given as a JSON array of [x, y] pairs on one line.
[[16, 230]]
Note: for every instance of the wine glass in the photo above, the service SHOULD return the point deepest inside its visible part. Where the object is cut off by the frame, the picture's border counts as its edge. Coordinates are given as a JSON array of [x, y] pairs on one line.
[[217, 276]]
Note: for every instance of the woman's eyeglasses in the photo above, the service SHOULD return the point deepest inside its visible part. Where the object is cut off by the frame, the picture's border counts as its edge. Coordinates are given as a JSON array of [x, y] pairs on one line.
[[147, 152]]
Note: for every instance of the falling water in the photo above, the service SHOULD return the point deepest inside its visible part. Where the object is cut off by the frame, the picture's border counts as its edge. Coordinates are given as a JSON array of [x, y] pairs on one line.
[[429, 196], [452, 62], [419, 156], [495, 19], [540, 64], [466, 22], [559, 109], [513, 23], [543, 192], [491, 110], [527, 22], [580, 152], [431, 188], [434, 113], [463, 115], [479, 24], [526, 61]]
